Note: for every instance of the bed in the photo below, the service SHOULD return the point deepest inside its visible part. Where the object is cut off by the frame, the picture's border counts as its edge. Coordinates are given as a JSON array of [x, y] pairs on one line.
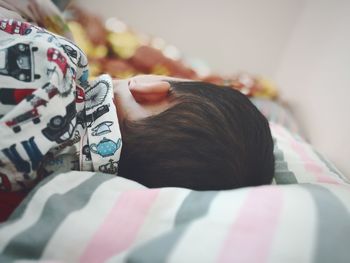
[[92, 217], [74, 216]]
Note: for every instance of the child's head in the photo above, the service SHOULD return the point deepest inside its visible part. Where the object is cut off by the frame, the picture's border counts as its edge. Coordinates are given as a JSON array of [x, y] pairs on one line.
[[191, 134]]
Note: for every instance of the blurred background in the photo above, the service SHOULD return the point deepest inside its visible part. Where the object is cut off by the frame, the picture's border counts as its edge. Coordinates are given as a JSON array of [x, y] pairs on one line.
[[301, 46]]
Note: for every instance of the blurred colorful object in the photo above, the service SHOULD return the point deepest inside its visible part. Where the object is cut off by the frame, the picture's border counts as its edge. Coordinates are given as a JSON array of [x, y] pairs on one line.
[[114, 48]]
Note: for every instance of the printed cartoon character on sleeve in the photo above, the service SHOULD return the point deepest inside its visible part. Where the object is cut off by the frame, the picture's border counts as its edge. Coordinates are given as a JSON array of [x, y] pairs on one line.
[[47, 104]]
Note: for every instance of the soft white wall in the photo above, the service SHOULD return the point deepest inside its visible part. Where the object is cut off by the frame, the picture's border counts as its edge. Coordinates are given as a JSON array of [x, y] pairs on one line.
[[231, 35], [314, 76]]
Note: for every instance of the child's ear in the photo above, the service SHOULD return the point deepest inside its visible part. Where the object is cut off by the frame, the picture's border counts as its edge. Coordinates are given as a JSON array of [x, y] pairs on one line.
[[152, 92]]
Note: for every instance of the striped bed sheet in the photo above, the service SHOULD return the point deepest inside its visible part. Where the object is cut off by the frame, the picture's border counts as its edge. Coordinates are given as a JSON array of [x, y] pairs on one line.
[[304, 216], [89, 217], [296, 160]]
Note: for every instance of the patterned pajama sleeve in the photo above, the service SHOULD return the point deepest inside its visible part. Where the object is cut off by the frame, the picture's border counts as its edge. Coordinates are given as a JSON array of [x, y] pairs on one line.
[[47, 105], [44, 13]]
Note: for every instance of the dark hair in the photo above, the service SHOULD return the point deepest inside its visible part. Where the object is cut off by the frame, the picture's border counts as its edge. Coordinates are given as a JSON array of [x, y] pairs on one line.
[[212, 138]]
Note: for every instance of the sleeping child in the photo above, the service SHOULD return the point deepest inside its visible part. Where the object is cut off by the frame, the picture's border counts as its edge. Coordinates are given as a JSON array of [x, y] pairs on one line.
[[156, 130]]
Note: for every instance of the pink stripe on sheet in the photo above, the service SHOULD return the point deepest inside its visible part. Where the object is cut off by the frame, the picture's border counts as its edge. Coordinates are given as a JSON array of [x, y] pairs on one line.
[[121, 226], [249, 239], [311, 166]]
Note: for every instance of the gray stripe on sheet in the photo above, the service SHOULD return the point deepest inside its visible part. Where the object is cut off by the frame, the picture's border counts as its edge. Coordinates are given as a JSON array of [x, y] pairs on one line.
[[333, 228], [31, 243], [195, 205], [285, 177], [282, 174], [23, 206]]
